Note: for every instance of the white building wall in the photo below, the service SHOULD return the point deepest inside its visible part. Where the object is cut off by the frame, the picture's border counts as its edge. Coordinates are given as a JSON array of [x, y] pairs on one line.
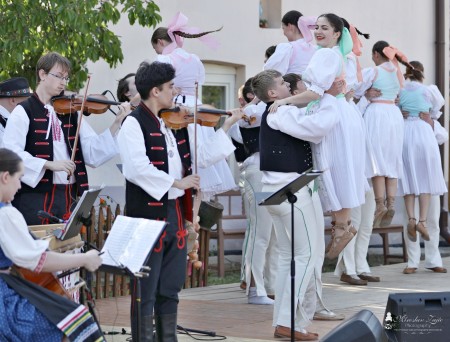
[[406, 24]]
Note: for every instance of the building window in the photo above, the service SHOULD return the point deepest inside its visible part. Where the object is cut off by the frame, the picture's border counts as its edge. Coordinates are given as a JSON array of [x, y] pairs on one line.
[[214, 95], [270, 13]]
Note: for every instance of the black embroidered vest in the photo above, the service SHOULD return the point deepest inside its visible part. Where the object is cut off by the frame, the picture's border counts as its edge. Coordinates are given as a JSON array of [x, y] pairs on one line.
[[39, 147], [281, 152], [250, 138], [140, 203]]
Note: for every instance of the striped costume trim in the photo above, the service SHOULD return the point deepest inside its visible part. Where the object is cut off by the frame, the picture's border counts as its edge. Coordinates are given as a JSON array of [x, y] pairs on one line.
[[75, 323]]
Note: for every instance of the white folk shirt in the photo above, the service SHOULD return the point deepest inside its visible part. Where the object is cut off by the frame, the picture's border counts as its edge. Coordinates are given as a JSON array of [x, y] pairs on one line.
[[16, 241], [292, 57], [97, 149], [188, 69], [5, 114], [138, 169]]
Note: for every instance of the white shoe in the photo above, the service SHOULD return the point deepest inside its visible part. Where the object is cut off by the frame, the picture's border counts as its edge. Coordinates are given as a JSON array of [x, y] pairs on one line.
[[253, 298], [327, 315]]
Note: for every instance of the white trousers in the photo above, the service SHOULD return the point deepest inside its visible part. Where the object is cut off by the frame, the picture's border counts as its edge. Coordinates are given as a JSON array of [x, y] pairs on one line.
[[432, 255], [305, 255], [260, 246], [353, 259]]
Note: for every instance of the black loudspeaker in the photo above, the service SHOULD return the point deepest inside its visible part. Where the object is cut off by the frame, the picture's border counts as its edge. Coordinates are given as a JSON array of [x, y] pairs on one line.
[[414, 317], [362, 327]]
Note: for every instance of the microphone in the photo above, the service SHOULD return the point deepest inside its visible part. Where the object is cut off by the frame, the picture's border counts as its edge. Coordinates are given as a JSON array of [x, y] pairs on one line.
[[53, 219]]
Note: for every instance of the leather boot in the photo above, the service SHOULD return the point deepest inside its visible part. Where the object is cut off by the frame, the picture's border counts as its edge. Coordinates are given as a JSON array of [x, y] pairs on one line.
[[146, 331], [166, 328]]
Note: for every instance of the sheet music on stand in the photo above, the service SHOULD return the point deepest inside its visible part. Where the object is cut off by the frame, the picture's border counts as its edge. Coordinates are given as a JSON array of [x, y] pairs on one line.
[[130, 242]]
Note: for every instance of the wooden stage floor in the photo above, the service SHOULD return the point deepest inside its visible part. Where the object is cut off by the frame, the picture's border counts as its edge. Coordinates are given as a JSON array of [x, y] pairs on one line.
[[224, 310]]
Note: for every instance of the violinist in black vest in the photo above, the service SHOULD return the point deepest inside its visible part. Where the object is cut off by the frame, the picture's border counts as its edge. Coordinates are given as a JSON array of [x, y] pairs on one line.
[[44, 140], [157, 167]]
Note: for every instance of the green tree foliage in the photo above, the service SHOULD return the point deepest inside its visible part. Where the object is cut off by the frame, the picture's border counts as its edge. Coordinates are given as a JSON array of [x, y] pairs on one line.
[[77, 29]]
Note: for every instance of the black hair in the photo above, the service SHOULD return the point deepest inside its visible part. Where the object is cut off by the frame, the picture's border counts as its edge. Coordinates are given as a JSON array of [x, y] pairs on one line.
[[347, 25], [247, 89], [123, 88], [270, 51], [379, 47], [162, 33], [292, 79], [335, 21], [291, 17], [151, 75], [9, 161]]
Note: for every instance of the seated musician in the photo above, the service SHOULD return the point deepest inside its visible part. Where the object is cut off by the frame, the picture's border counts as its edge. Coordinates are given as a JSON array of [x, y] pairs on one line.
[[28, 312]]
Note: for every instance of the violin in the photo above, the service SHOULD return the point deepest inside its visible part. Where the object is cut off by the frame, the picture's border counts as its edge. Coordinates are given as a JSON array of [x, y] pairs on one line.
[[95, 104], [176, 118]]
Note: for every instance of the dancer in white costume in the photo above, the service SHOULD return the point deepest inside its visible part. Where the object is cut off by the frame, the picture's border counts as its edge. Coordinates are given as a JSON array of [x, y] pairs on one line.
[[340, 152], [385, 126], [422, 171]]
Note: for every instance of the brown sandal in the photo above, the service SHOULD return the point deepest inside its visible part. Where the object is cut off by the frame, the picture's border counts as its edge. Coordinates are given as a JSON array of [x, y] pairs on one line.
[[421, 227], [341, 237], [411, 229]]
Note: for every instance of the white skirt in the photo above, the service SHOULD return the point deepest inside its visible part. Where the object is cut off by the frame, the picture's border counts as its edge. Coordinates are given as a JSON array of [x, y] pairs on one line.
[[385, 126], [342, 155], [422, 169]]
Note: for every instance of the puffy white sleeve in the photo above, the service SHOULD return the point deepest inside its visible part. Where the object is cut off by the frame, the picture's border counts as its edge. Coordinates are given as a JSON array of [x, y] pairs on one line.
[[212, 146], [322, 70], [351, 72], [235, 133], [437, 101], [137, 167], [15, 139], [280, 58], [17, 243], [440, 133], [97, 148], [313, 128], [368, 76], [253, 111]]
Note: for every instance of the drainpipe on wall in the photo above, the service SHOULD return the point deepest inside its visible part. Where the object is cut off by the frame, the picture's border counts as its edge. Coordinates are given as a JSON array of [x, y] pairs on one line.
[[441, 56]]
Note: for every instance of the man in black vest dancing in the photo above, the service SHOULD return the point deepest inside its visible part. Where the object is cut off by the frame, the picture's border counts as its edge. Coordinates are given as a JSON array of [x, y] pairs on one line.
[[157, 168]]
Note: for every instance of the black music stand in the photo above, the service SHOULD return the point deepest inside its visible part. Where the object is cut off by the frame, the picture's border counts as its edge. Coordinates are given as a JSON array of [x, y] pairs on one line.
[[80, 215], [122, 270], [288, 193]]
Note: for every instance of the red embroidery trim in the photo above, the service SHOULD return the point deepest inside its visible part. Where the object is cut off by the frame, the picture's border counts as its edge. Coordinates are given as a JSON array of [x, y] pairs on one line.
[[159, 248], [155, 204], [41, 262]]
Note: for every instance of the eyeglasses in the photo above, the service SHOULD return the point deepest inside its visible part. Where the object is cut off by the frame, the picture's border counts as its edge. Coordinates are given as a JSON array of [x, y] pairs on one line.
[[62, 78]]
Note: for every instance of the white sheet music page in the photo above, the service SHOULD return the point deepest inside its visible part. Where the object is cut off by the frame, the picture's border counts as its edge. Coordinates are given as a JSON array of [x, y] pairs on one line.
[[130, 241]]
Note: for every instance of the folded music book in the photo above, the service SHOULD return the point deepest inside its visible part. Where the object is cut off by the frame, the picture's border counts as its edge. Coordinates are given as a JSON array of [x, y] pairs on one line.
[[130, 242]]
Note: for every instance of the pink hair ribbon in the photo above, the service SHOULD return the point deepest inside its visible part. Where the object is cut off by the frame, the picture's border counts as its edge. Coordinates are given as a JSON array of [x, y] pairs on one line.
[[357, 45], [391, 53], [305, 25], [179, 23]]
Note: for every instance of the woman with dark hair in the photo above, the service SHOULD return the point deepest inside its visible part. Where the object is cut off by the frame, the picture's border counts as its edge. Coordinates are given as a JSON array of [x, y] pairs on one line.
[[422, 171], [385, 126], [342, 185], [294, 55], [29, 312]]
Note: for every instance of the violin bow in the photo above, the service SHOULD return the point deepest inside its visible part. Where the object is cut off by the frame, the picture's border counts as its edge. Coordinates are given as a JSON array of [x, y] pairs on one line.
[[77, 134]]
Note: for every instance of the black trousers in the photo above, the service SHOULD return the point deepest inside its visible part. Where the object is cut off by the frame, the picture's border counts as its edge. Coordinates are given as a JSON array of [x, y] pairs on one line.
[[159, 291], [59, 202]]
